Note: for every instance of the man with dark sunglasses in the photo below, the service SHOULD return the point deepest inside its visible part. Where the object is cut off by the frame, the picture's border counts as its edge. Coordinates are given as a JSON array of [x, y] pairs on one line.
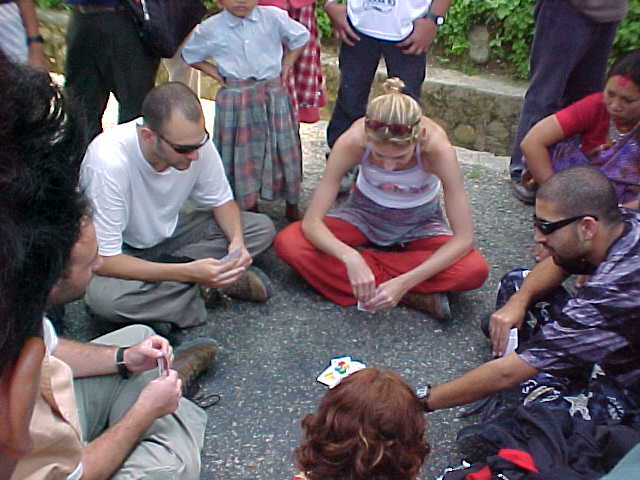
[[563, 337], [168, 227]]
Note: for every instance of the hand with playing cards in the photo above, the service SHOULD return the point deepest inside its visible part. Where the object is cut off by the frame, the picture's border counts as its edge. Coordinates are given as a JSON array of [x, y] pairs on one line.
[[363, 283], [160, 396], [144, 356], [238, 255], [388, 294], [212, 273]]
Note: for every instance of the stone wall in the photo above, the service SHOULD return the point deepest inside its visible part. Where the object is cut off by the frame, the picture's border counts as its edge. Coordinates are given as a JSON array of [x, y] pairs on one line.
[[479, 113]]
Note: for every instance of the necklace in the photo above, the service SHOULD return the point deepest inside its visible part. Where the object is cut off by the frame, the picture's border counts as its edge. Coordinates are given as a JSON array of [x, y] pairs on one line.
[[616, 133]]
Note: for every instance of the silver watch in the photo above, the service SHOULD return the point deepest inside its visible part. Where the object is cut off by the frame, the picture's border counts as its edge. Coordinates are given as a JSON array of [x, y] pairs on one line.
[[423, 394]]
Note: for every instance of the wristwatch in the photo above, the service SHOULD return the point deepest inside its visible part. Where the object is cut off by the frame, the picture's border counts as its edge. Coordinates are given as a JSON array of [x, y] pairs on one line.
[[437, 19], [120, 363], [423, 394], [35, 39]]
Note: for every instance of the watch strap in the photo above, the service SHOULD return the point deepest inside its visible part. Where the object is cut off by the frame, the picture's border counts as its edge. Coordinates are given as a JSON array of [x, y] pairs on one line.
[[438, 20], [423, 393], [35, 39], [120, 363]]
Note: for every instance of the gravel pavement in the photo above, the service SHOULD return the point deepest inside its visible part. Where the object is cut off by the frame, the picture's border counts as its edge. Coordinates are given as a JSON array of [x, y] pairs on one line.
[[271, 353]]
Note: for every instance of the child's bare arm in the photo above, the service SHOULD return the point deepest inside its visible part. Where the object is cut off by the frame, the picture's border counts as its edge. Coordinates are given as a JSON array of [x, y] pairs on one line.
[[289, 59], [209, 69]]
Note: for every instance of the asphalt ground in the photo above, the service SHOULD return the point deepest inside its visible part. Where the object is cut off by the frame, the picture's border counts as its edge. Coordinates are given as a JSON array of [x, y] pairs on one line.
[[271, 353]]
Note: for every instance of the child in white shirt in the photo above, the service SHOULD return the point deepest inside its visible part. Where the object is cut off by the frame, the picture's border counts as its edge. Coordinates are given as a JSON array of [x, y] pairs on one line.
[[255, 129]]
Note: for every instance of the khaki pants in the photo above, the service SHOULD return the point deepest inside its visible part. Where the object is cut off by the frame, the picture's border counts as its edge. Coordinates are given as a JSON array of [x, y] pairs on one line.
[[170, 449], [196, 236]]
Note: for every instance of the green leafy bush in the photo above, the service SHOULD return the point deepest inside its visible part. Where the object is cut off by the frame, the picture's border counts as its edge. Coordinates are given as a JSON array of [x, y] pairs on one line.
[[510, 23]]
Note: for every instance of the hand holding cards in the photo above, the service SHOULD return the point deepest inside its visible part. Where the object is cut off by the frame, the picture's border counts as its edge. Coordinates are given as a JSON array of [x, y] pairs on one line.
[[340, 367], [230, 256], [361, 305]]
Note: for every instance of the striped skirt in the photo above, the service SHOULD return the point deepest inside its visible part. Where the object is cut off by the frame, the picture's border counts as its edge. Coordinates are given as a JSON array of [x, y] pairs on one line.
[[256, 133]]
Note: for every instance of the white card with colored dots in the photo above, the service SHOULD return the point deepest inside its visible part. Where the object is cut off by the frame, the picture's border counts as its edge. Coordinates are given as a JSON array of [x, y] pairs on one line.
[[340, 367]]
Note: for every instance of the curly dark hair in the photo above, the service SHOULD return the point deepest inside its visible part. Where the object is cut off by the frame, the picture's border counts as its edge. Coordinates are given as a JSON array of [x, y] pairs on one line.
[[41, 148], [369, 427]]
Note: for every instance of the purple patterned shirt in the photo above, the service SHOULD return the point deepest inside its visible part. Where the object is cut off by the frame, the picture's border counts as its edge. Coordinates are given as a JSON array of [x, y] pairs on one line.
[[601, 323]]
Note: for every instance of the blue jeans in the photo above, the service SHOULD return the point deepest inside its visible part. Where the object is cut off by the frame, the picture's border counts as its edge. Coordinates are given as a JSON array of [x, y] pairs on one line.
[[568, 62], [358, 65]]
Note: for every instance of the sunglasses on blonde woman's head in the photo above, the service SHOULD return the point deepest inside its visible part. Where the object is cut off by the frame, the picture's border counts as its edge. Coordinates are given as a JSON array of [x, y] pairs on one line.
[[398, 129]]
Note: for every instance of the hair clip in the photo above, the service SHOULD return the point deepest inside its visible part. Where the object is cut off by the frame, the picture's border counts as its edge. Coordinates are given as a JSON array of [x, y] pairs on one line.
[[339, 368]]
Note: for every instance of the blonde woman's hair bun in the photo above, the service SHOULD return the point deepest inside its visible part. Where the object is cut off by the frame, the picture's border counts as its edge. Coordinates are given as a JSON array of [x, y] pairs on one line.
[[393, 85]]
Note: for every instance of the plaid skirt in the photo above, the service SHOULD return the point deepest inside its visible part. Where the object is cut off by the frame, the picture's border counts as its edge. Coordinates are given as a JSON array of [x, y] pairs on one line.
[[306, 84], [256, 133]]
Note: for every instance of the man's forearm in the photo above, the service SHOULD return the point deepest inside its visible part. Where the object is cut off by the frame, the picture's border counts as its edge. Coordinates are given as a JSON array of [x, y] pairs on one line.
[[488, 378], [133, 268], [227, 216], [87, 359]]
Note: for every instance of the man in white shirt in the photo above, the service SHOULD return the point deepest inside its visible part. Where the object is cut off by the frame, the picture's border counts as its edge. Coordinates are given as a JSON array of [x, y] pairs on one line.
[[165, 218]]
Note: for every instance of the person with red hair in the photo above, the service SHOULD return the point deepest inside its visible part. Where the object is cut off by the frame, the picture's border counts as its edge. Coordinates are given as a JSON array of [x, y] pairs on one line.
[[369, 427]]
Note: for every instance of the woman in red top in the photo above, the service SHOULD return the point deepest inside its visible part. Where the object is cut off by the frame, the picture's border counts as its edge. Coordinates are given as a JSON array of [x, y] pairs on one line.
[[602, 129]]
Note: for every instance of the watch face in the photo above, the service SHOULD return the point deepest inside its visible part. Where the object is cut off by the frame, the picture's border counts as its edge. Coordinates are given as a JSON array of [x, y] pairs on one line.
[[421, 392], [439, 20]]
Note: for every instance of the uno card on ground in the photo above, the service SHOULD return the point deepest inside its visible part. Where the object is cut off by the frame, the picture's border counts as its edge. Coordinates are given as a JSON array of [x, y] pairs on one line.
[[339, 368]]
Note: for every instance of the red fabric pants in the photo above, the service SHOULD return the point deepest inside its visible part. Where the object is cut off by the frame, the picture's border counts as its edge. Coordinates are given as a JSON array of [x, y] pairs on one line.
[[329, 276]]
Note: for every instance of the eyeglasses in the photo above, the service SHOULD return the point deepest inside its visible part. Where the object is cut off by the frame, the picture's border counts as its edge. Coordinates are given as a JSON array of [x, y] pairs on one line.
[[398, 129], [548, 228], [185, 149]]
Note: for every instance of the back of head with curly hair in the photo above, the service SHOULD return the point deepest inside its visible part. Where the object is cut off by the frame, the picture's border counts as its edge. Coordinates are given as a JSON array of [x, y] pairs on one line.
[[394, 108], [369, 427]]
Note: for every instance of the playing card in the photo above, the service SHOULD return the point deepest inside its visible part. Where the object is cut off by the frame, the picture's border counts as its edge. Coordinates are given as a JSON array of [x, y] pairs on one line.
[[230, 256], [360, 306], [339, 368], [512, 343], [162, 366]]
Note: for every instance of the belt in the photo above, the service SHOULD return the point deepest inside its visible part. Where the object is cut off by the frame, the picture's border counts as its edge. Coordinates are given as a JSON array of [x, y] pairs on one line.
[[86, 9]]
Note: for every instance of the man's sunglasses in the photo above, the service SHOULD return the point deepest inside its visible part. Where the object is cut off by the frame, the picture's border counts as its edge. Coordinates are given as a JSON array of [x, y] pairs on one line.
[[548, 228], [184, 149], [397, 129]]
